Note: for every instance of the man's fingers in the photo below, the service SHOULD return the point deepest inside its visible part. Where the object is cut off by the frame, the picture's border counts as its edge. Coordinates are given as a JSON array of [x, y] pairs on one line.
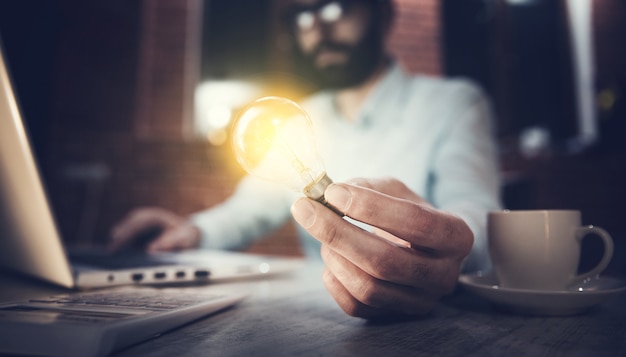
[[377, 293], [138, 223], [415, 222], [376, 256], [347, 302], [130, 228], [182, 237], [166, 241]]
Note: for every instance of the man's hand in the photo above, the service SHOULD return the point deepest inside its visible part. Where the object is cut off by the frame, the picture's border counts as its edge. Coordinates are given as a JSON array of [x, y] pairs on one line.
[[411, 260], [166, 230]]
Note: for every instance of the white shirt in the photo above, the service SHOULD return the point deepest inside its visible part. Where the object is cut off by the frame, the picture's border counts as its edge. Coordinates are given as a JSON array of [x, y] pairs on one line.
[[435, 135]]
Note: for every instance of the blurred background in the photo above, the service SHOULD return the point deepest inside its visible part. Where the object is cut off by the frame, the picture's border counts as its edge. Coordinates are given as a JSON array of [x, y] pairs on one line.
[[128, 102]]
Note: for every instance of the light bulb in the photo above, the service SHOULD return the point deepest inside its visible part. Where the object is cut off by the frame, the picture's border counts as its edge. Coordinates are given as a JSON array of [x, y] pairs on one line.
[[273, 139]]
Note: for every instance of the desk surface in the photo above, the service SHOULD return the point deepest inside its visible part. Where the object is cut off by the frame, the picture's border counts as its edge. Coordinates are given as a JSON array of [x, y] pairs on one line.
[[294, 315]]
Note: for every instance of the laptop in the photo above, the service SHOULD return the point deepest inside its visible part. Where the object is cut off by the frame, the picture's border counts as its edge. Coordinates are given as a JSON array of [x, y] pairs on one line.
[[88, 320], [99, 322], [31, 243]]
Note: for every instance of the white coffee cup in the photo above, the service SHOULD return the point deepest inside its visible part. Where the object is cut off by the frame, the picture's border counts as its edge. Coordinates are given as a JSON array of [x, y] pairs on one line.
[[540, 249]]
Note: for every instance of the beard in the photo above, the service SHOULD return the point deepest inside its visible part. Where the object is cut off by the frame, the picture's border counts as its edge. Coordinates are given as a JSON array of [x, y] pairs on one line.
[[363, 58]]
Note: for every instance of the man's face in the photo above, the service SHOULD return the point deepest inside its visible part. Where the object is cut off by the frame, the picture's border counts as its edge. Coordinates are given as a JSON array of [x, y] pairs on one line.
[[339, 42]]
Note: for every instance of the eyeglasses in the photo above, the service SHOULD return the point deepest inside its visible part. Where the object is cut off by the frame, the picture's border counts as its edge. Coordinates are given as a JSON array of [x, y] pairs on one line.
[[303, 17]]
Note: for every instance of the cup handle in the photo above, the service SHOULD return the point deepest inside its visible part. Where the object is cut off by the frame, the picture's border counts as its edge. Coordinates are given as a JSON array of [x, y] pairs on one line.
[[582, 232]]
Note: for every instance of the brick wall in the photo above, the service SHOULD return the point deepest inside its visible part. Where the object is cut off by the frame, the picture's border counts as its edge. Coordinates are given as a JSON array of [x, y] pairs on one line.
[[169, 66], [416, 36]]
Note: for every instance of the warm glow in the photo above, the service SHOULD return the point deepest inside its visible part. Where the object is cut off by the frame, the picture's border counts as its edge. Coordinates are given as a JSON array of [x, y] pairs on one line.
[[217, 136], [215, 102], [218, 116], [273, 139]]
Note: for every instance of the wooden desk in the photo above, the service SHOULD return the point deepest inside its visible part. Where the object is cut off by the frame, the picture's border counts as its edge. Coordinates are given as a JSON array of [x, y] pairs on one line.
[[293, 315]]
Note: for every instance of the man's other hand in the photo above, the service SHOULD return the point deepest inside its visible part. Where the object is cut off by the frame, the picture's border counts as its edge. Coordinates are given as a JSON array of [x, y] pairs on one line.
[[155, 230]]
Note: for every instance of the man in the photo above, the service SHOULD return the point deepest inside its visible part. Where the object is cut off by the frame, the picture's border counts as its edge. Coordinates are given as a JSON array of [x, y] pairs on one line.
[[405, 237]]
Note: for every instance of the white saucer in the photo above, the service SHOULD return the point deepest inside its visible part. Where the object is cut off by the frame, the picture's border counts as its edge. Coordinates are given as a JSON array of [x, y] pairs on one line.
[[575, 300]]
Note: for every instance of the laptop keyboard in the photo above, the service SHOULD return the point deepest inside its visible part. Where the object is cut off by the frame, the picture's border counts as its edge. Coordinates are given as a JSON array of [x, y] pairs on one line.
[[136, 299]]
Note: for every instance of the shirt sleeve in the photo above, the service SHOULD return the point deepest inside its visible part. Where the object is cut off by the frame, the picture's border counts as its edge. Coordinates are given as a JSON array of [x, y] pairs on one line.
[[466, 178], [254, 209]]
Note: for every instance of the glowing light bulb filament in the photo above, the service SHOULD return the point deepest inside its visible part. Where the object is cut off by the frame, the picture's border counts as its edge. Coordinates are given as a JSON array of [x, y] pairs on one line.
[[286, 150]]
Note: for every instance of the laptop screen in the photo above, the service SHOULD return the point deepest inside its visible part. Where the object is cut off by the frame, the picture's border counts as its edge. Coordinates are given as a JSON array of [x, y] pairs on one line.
[[30, 241]]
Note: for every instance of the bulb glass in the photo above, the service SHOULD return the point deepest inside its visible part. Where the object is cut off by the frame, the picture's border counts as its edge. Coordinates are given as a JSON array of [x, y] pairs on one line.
[[273, 139]]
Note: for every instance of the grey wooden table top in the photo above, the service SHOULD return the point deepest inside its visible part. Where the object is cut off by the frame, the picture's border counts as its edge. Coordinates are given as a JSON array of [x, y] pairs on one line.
[[293, 315]]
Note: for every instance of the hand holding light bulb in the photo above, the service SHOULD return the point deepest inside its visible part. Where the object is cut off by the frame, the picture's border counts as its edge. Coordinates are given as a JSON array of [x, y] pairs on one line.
[[273, 139], [404, 266], [410, 259]]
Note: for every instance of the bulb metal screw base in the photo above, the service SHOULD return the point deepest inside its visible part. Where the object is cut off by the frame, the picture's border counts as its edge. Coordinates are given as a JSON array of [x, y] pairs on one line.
[[315, 191]]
